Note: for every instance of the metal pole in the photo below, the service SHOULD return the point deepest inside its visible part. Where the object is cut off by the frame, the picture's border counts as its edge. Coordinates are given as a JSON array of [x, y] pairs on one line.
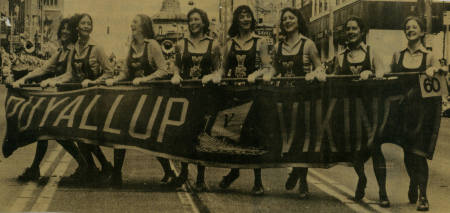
[[443, 40], [11, 35], [42, 23]]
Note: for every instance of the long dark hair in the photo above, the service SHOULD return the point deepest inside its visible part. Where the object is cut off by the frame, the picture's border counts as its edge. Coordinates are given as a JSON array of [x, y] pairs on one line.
[[147, 26], [234, 29], [302, 26], [361, 25], [70, 26], [203, 16], [420, 22]]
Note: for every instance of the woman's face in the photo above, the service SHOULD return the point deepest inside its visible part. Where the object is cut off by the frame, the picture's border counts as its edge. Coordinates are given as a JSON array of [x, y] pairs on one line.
[[195, 23], [85, 26], [413, 31], [353, 32], [289, 22], [136, 26], [65, 32], [245, 20]]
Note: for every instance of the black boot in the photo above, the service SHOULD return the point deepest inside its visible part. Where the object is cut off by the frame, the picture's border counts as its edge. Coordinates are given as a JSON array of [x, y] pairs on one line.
[[258, 190], [292, 180], [169, 177], [423, 204], [29, 174], [303, 190], [229, 179], [384, 201]]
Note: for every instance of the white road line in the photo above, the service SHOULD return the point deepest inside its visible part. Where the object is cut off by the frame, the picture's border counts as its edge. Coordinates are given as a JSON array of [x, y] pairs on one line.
[[373, 204], [27, 193], [185, 197], [45, 198], [344, 199]]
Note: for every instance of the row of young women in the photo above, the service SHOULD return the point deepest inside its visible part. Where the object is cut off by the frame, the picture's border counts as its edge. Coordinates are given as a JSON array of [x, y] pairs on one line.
[[80, 59]]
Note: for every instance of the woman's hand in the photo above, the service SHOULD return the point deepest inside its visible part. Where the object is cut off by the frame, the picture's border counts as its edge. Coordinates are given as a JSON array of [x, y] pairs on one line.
[[252, 77], [85, 83], [364, 75], [138, 81], [430, 71], [176, 79], [267, 77], [321, 76], [18, 83], [379, 75], [310, 76], [110, 82], [214, 77], [49, 83]]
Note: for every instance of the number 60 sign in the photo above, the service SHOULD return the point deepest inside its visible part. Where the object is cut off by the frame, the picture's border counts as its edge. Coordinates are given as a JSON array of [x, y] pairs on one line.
[[432, 86]]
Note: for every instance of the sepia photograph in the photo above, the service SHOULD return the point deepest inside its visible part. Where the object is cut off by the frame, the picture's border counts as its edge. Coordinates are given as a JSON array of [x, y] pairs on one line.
[[201, 106]]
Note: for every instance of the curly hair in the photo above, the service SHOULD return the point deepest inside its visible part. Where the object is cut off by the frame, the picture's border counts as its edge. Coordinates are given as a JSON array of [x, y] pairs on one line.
[[361, 25], [70, 26], [302, 26], [203, 16], [234, 29], [77, 18]]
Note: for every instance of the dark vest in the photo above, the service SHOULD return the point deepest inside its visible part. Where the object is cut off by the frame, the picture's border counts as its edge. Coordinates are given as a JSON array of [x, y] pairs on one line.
[[60, 66], [400, 68], [290, 65], [241, 63], [196, 65], [356, 68], [139, 66], [81, 68]]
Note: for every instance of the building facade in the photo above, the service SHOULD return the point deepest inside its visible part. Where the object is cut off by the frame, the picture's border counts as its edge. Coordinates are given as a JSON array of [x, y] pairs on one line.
[[327, 19], [33, 20]]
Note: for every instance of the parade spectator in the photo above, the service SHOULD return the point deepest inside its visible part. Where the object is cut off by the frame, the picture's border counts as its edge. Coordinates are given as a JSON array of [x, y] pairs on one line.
[[145, 62]]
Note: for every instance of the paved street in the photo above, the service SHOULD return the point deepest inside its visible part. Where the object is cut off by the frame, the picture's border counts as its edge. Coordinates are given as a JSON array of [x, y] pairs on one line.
[[331, 189]]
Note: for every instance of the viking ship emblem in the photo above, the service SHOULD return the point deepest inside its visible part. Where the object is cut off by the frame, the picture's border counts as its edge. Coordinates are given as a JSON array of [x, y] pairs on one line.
[[78, 66], [241, 69], [288, 66], [195, 71], [78, 70], [356, 69], [289, 72]]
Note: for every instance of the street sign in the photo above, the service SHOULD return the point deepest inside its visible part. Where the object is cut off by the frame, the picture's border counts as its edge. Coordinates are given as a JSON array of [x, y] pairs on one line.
[[446, 18]]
